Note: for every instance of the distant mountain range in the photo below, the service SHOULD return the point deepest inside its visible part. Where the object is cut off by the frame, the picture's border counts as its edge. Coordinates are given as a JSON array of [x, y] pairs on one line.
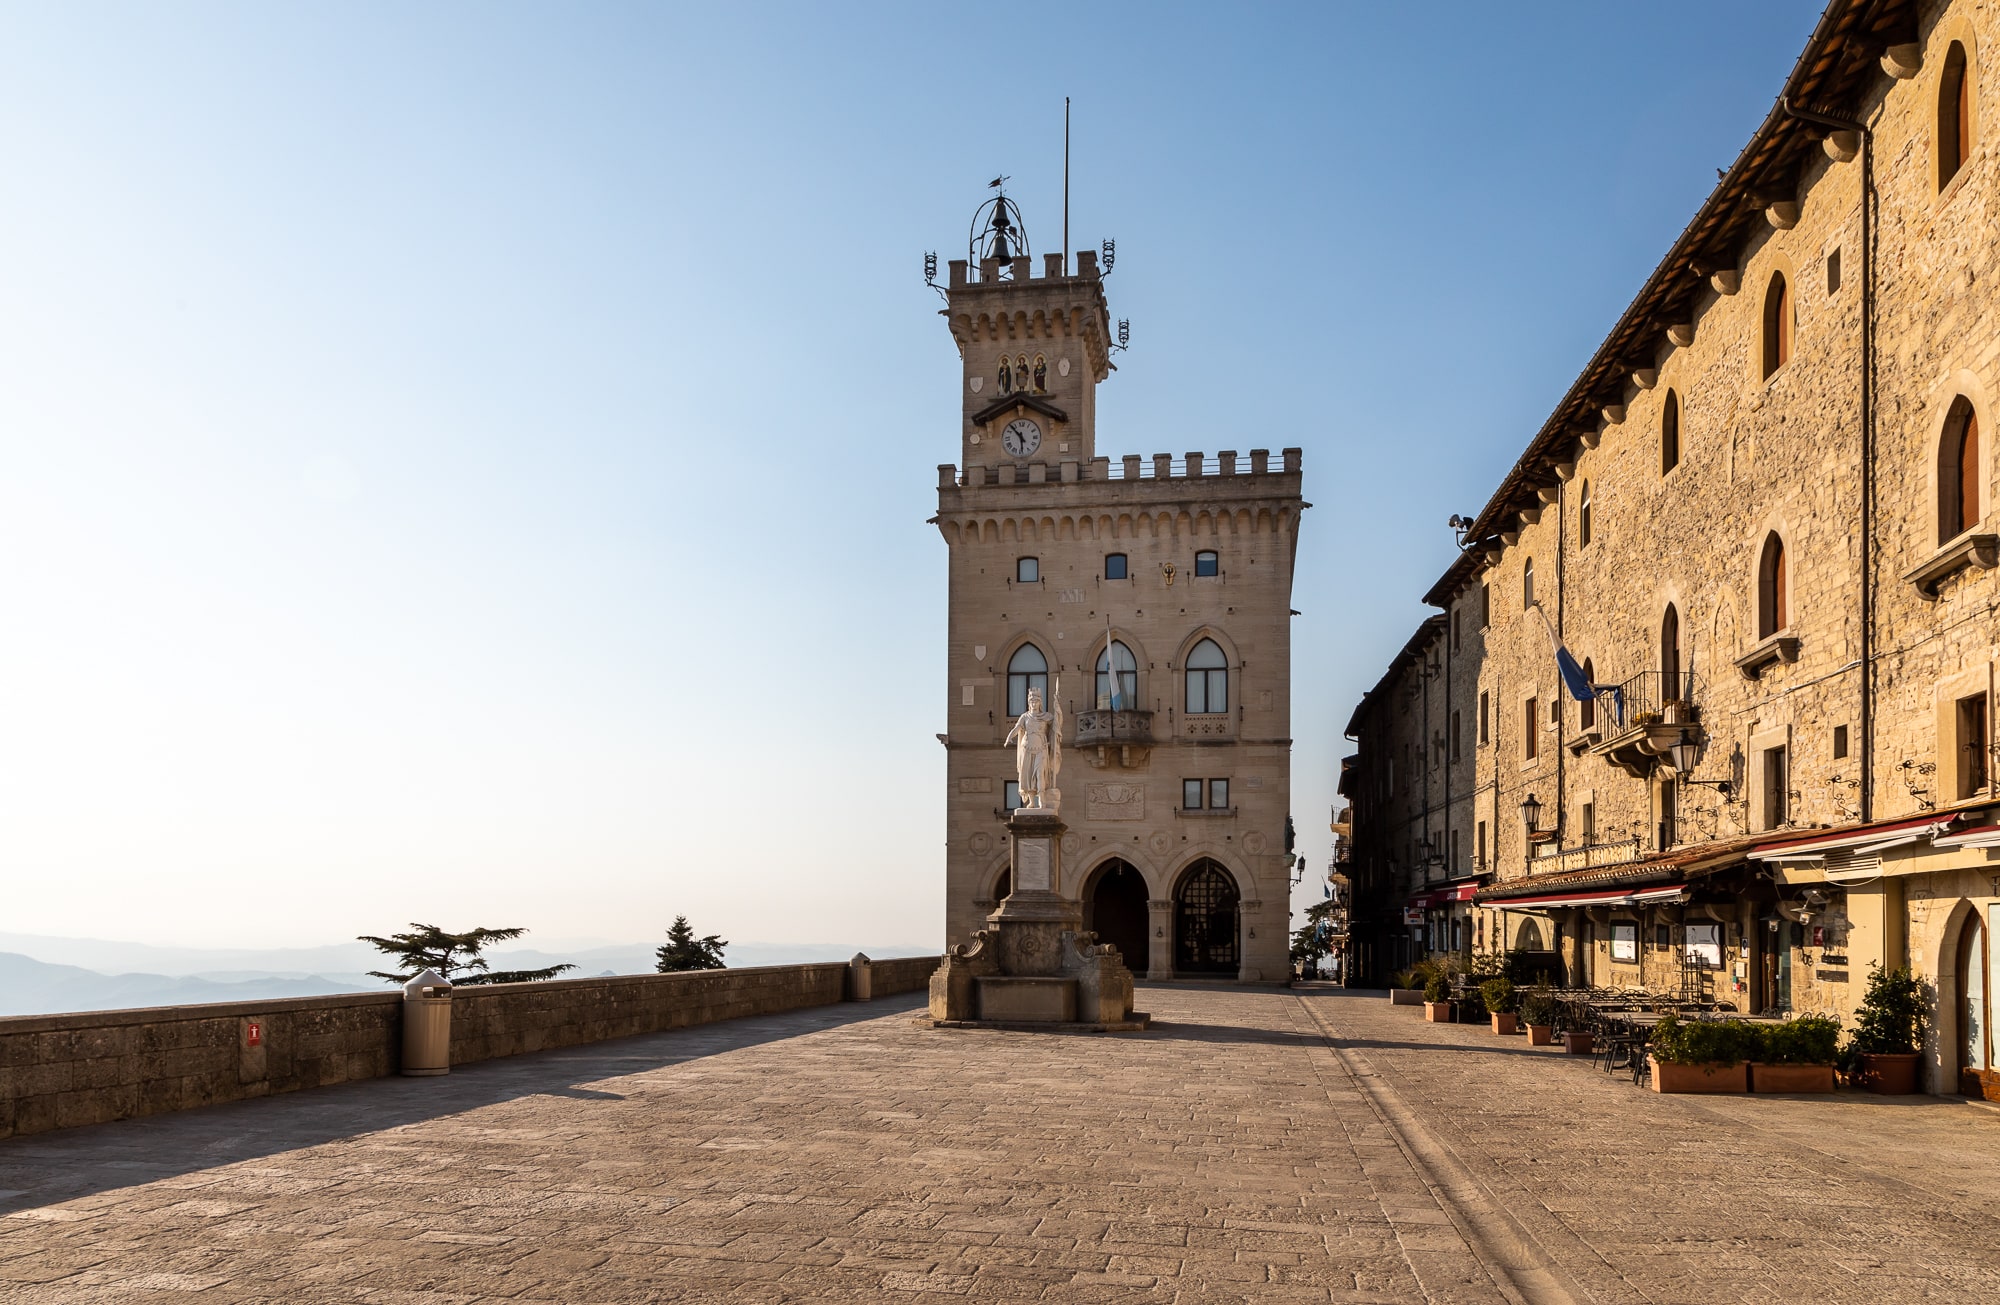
[[43, 975]]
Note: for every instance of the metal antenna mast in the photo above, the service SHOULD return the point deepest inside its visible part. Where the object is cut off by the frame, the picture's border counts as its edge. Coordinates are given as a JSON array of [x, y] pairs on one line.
[[1065, 249]]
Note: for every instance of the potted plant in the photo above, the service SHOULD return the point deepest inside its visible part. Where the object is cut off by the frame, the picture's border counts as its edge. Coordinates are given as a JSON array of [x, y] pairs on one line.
[[1409, 989], [1702, 1055], [1888, 1029], [1437, 997], [1498, 994], [1539, 1010], [1796, 1056]]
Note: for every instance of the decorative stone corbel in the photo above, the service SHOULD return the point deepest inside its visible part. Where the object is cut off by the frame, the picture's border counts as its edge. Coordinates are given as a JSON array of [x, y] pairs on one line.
[[1903, 61], [1549, 493], [1784, 215], [1510, 537], [1591, 438], [1529, 516], [1614, 413], [1727, 282], [1680, 334], [1565, 472], [1646, 377], [1842, 146]]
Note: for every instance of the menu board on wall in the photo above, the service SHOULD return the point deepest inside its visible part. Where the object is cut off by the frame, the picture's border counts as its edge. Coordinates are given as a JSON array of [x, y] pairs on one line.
[[1704, 944], [1624, 941]]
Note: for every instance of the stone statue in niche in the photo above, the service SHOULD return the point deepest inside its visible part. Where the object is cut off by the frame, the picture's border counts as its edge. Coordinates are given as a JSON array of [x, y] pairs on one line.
[[1037, 742], [1006, 376], [1041, 374]]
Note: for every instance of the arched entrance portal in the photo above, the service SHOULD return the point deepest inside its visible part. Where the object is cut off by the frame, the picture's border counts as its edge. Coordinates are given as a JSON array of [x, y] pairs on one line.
[[1115, 910], [1975, 1008], [1205, 921]]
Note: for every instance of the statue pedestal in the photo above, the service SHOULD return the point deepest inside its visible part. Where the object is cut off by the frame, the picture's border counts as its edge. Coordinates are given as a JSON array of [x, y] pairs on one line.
[[1033, 964]]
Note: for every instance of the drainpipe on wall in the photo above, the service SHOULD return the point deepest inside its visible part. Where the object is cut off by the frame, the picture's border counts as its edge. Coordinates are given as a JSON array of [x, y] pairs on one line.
[[1867, 138]]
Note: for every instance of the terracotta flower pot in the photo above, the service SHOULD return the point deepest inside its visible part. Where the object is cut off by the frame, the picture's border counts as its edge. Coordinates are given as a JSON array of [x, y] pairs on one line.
[[1438, 1012], [1541, 1035], [1503, 1021], [1579, 1044], [1406, 996], [1701, 1078], [1893, 1075], [1791, 1078]]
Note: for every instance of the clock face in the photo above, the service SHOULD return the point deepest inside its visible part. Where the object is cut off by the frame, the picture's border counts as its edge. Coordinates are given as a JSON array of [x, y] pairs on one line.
[[1021, 438]]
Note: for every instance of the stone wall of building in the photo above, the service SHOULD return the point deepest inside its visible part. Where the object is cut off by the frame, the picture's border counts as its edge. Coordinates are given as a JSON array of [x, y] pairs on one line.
[[1763, 453], [59, 1071]]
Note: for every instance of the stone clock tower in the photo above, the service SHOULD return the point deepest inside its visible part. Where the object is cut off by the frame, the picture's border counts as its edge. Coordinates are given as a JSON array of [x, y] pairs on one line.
[[1154, 593]]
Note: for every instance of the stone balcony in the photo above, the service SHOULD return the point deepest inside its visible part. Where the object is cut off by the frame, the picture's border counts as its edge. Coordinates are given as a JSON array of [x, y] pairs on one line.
[[1121, 737]]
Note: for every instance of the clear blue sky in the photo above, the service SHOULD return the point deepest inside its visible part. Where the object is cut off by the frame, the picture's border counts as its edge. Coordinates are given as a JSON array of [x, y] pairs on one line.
[[468, 462]]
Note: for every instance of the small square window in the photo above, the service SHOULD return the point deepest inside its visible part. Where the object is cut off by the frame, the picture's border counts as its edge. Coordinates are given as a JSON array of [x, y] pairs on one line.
[[1114, 566], [1206, 564], [1191, 795], [1010, 795], [1839, 742], [1663, 935], [1218, 795], [1028, 570]]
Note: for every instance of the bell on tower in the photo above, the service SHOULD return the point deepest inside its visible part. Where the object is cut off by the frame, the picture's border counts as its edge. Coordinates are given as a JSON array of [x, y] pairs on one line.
[[997, 231]]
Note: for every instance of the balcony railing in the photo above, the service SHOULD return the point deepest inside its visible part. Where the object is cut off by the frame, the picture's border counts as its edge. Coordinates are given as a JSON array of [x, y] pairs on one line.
[[1106, 726], [1649, 698]]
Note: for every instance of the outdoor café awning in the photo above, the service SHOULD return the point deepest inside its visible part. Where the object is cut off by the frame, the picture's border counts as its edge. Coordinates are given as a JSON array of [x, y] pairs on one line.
[[1601, 897], [1880, 838], [1445, 896]]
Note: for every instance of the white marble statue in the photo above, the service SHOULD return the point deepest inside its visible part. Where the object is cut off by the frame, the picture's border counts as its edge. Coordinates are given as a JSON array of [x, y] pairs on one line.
[[1037, 741]]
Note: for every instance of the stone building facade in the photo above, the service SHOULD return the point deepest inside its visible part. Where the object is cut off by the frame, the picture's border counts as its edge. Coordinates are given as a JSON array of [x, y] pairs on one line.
[[1762, 524], [1151, 597]]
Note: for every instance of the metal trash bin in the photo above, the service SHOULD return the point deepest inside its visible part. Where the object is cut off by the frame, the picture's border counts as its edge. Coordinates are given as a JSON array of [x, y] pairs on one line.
[[427, 1025], [861, 978]]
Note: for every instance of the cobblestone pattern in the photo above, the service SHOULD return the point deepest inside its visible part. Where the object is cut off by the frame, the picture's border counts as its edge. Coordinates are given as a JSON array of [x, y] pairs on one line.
[[849, 1153], [1641, 1197]]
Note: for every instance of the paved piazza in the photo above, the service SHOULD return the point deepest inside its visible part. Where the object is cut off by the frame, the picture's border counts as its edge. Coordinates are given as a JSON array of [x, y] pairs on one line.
[[1258, 1145]]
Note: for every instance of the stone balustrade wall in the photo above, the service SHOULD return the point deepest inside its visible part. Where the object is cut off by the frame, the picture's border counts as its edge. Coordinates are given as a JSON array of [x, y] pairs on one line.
[[59, 1071]]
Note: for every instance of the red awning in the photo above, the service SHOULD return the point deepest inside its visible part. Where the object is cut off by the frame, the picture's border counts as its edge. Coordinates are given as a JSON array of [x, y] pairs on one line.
[[1875, 838], [1600, 897]]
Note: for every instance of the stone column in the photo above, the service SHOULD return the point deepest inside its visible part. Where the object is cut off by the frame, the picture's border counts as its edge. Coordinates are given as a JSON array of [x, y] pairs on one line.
[[1248, 917], [1160, 916], [1036, 913]]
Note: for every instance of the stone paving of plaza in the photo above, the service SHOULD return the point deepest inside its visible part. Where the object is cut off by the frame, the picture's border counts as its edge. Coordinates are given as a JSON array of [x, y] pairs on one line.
[[1258, 1145]]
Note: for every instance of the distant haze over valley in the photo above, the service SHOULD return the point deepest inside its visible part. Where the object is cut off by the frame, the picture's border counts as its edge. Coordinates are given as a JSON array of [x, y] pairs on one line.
[[45, 975]]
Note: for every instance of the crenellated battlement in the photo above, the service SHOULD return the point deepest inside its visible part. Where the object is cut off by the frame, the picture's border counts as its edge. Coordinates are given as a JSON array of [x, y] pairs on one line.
[[1160, 467]]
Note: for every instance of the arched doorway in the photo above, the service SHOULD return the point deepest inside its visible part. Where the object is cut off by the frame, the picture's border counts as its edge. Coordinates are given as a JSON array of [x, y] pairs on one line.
[[1205, 921], [1115, 910], [1530, 937], [1975, 1010]]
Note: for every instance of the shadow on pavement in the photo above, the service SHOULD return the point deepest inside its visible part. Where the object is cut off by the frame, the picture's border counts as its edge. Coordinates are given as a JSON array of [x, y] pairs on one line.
[[45, 1168]]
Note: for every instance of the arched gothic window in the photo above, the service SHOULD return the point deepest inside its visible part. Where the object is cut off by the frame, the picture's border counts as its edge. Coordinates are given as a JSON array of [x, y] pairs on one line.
[[1773, 610], [1119, 694], [1583, 517], [1670, 433], [1207, 679], [1527, 584], [1954, 115], [1958, 473], [1777, 324], [1026, 669]]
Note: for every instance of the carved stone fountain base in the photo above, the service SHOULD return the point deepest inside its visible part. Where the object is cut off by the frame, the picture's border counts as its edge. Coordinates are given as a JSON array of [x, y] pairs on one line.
[[1033, 966]]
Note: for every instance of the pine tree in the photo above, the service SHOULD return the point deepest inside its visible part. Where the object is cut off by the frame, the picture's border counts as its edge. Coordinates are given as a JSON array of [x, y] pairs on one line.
[[684, 951], [455, 956]]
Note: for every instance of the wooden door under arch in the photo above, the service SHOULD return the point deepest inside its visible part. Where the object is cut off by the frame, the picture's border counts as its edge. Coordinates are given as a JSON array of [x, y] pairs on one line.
[[1115, 910]]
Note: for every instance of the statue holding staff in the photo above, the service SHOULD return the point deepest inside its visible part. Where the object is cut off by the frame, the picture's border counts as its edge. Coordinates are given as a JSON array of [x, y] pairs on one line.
[[1037, 742]]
